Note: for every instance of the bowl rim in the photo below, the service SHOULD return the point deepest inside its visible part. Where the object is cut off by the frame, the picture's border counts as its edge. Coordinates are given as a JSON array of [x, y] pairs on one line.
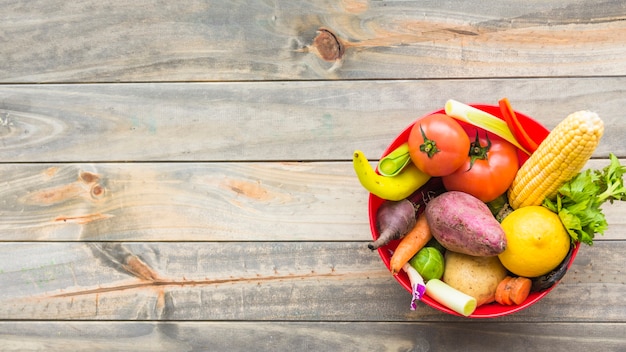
[[489, 310]]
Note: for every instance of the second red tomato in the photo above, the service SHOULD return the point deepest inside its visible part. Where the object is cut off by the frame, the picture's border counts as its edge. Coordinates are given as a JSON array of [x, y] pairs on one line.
[[488, 171]]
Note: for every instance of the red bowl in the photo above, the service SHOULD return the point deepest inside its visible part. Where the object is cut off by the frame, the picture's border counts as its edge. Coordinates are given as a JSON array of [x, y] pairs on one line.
[[435, 186]]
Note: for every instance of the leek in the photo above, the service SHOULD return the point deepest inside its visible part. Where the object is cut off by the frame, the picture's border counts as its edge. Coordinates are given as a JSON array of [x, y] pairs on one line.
[[482, 119]]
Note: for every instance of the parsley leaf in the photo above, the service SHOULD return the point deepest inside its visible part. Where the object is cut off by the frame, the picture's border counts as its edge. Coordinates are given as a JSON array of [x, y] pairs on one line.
[[578, 202]]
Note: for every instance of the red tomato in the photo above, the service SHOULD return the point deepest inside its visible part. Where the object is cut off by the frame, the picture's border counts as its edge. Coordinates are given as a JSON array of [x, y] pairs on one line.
[[438, 145], [492, 171]]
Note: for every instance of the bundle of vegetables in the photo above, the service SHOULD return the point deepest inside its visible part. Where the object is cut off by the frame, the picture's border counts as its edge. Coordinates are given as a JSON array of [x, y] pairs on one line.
[[444, 241]]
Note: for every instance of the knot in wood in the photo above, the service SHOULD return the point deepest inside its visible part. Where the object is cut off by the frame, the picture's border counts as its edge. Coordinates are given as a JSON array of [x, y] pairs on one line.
[[329, 47], [88, 177], [97, 191]]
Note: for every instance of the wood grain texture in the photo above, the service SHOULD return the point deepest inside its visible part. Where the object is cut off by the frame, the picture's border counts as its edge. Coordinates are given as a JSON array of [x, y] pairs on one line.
[[309, 336], [260, 281], [182, 201], [268, 121], [308, 201], [272, 40], [176, 175]]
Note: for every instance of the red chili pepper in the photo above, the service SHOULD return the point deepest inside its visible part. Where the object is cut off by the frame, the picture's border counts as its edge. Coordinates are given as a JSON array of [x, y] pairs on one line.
[[516, 127]]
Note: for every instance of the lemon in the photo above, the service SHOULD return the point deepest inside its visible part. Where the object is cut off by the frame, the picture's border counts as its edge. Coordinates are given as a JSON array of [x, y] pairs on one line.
[[537, 242]]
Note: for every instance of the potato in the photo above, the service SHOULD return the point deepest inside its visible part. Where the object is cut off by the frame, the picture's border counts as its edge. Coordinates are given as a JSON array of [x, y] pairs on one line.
[[463, 223], [475, 276]]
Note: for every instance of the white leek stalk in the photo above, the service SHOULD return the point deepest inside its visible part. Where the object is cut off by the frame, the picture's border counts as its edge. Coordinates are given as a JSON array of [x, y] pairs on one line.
[[482, 119], [450, 297]]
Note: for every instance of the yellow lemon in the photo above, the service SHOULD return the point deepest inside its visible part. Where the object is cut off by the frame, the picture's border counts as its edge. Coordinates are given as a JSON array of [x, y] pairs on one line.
[[536, 241]]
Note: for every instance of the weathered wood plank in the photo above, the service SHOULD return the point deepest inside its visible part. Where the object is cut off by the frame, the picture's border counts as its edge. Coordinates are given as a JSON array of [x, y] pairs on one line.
[[269, 120], [318, 201], [224, 214], [311, 336], [269, 40], [269, 281], [182, 201]]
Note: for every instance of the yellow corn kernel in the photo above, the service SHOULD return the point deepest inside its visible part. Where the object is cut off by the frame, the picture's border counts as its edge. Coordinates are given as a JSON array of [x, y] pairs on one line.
[[558, 158]]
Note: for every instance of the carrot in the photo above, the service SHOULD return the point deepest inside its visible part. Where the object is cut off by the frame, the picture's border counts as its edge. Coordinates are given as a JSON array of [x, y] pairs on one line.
[[515, 126], [502, 295], [410, 244], [513, 290], [520, 289]]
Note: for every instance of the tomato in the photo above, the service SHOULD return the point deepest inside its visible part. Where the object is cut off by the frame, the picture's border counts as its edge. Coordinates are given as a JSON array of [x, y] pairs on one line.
[[438, 145], [491, 171]]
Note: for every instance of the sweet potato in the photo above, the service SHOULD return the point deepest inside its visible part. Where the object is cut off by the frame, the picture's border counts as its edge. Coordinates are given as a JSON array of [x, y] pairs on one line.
[[464, 224]]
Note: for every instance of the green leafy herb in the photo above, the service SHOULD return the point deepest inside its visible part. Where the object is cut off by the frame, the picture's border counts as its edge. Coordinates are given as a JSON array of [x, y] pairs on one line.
[[578, 202]]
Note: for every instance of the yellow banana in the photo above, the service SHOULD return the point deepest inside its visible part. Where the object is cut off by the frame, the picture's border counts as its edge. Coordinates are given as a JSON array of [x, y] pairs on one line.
[[388, 187]]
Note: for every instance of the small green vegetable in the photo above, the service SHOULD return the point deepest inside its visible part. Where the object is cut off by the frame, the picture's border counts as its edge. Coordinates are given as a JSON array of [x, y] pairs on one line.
[[578, 202], [429, 263], [394, 162]]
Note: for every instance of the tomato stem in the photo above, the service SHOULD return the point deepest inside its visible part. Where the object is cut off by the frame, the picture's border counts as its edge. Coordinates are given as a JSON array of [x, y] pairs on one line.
[[477, 151], [429, 146]]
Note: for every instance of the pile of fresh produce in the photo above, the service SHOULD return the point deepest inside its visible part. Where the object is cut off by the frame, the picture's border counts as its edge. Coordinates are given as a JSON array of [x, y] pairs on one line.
[[509, 211]]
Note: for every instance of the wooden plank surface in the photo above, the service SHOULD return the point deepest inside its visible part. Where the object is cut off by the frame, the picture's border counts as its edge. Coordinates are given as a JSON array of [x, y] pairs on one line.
[[182, 201], [274, 40], [261, 201], [177, 176], [310, 336], [270, 120], [253, 281]]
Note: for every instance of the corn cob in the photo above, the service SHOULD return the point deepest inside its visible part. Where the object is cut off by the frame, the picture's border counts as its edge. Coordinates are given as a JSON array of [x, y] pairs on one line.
[[563, 153]]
